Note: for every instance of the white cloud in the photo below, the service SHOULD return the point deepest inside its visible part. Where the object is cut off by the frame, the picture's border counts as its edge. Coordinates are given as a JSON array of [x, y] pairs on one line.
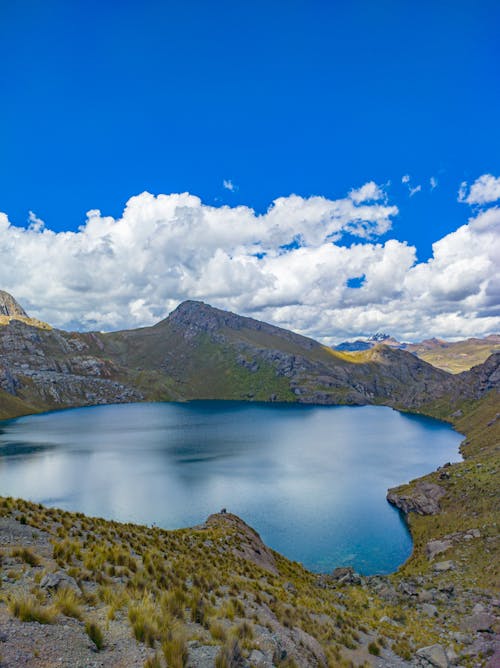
[[484, 190], [433, 182], [369, 192], [35, 223], [229, 185], [289, 266], [411, 190]]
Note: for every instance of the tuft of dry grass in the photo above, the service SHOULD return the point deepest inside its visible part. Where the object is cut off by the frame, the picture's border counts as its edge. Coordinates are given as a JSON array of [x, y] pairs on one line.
[[28, 609]]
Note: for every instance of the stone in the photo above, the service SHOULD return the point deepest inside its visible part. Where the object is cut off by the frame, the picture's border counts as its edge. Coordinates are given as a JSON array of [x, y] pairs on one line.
[[481, 621], [429, 610], [434, 655], [59, 580], [425, 596], [346, 575], [435, 547], [443, 566], [463, 638], [452, 656], [259, 659], [407, 589]]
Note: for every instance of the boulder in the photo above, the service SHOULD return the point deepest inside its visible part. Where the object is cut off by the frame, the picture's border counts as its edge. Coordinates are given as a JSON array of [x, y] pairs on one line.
[[346, 575], [443, 566], [479, 621], [435, 547], [429, 610], [59, 580], [434, 655]]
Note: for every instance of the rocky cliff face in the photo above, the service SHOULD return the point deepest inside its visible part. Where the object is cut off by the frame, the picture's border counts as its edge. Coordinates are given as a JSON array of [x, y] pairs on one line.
[[53, 369]]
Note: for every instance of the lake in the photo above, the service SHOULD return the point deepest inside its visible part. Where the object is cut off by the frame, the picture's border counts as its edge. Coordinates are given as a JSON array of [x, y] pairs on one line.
[[311, 480]]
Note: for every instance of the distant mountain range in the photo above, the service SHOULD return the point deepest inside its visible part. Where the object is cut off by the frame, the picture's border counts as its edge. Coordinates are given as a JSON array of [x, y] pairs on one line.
[[454, 356], [200, 352]]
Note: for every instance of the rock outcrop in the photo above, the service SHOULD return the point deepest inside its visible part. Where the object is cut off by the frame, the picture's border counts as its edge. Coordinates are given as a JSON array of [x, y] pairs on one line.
[[9, 306], [423, 499]]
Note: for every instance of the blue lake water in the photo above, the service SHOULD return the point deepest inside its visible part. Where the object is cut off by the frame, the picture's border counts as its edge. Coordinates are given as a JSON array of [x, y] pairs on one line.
[[311, 480]]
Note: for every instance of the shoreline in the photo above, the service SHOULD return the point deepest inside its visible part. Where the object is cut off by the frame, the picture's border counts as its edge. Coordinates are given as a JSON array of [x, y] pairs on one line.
[[453, 609], [297, 404]]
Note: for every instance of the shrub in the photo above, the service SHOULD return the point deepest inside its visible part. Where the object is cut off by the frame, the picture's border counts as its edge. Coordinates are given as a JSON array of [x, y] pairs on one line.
[[95, 634], [218, 632], [175, 650], [153, 662], [27, 555], [229, 655], [67, 602], [27, 609], [374, 649]]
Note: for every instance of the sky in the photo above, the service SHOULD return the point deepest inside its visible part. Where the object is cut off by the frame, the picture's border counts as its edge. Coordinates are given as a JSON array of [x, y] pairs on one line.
[[330, 167]]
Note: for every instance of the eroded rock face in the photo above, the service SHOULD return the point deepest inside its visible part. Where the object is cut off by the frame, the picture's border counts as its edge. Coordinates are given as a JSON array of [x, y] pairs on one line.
[[249, 544], [423, 499], [54, 369], [9, 306]]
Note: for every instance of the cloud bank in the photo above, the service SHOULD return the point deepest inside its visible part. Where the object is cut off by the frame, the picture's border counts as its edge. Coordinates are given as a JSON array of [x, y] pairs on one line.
[[292, 266]]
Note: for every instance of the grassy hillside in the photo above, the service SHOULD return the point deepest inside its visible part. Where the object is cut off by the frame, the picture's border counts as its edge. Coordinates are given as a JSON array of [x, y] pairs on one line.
[[458, 356]]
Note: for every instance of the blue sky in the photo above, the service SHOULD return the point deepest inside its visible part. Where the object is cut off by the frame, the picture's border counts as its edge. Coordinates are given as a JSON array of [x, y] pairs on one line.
[[104, 100]]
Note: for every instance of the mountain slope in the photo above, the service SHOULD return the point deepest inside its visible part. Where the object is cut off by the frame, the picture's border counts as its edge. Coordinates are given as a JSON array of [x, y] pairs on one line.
[[453, 357], [200, 352], [456, 356]]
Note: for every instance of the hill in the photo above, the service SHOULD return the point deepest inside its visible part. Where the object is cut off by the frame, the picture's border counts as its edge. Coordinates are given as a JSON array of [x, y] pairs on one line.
[[453, 357], [200, 352]]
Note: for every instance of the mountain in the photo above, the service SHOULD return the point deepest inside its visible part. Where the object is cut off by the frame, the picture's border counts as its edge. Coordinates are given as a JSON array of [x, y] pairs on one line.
[[200, 352], [10, 310], [456, 356], [9, 306], [453, 357]]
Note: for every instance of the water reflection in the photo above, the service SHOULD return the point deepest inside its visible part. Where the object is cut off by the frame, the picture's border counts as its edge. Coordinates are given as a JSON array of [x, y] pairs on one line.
[[311, 480]]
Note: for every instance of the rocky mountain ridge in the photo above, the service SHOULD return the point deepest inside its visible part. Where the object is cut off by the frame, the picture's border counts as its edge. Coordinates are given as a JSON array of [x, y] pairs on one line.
[[200, 352]]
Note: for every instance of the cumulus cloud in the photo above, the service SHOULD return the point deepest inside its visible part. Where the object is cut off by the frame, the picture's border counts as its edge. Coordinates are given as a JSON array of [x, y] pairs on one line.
[[369, 192], [291, 265], [484, 190]]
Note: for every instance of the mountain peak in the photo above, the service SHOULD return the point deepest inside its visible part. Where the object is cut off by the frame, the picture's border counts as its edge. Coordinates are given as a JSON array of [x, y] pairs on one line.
[[10, 307]]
